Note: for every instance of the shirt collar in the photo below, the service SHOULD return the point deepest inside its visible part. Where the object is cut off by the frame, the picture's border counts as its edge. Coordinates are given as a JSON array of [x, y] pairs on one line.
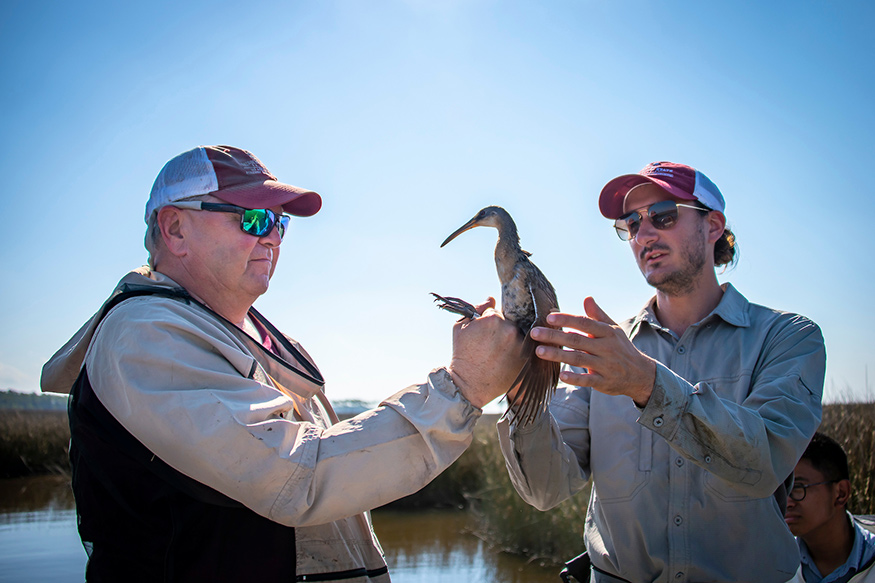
[[864, 546], [732, 309], [856, 559]]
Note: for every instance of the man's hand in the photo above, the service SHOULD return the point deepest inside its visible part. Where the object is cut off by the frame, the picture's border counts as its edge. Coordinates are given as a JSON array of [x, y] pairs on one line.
[[615, 366], [487, 355]]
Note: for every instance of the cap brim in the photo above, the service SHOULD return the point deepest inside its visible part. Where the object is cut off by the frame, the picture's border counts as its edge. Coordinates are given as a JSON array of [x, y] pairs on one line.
[[614, 193], [270, 193]]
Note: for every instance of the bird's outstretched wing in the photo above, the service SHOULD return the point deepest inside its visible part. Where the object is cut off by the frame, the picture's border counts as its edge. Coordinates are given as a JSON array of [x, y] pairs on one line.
[[539, 377], [537, 380]]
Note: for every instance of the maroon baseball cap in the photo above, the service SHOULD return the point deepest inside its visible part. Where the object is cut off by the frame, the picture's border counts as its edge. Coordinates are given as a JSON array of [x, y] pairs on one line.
[[232, 175], [679, 180]]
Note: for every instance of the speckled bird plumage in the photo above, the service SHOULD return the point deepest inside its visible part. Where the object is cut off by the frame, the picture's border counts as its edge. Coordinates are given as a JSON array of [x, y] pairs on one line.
[[526, 299]]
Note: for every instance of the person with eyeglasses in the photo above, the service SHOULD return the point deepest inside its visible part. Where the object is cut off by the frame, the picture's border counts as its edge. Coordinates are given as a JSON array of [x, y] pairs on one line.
[[836, 546], [687, 417], [203, 445]]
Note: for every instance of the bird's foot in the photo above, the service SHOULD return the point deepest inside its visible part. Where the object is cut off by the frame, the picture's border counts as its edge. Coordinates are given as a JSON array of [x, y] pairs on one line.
[[456, 306]]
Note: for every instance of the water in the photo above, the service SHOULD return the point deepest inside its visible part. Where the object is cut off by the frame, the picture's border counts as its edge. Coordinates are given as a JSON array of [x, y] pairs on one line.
[[38, 538], [39, 542], [438, 547]]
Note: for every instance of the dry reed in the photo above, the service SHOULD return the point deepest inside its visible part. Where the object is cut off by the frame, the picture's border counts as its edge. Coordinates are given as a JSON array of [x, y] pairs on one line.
[[33, 442]]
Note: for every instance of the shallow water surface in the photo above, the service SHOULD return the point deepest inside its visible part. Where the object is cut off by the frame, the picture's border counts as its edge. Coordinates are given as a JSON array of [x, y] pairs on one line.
[[38, 538], [436, 546]]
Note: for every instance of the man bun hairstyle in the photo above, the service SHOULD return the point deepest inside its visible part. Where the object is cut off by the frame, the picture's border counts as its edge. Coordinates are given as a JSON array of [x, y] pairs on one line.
[[725, 249]]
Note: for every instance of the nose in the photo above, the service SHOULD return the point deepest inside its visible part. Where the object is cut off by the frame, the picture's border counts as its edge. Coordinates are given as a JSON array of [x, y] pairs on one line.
[[646, 234], [272, 239]]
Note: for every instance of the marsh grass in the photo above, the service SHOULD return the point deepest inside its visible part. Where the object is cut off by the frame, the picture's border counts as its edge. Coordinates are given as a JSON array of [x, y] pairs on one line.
[[33, 442], [853, 426], [508, 523]]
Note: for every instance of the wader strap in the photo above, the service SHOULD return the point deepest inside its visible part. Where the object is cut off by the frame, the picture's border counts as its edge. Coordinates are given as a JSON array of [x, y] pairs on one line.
[[340, 575], [310, 372], [580, 569]]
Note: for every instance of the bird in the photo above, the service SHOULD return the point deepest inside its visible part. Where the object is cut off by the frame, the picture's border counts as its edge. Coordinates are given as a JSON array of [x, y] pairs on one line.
[[527, 296]]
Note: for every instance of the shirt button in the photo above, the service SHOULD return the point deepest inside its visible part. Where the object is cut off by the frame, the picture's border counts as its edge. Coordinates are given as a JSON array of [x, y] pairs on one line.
[[679, 461], [678, 575], [658, 422], [707, 459], [678, 520], [681, 349]]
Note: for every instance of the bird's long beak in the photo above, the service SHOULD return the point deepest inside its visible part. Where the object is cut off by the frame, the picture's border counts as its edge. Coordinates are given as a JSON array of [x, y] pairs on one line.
[[466, 227]]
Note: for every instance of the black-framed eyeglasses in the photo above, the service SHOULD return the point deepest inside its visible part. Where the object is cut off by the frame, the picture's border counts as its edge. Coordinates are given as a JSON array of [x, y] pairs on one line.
[[663, 215], [799, 490], [257, 222]]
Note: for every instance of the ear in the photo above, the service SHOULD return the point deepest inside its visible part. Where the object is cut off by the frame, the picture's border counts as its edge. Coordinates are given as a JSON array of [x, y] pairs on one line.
[[716, 225], [842, 492], [172, 223]]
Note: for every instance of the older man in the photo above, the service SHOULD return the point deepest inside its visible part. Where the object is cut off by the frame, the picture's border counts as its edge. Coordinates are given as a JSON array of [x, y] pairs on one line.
[[688, 417], [203, 446]]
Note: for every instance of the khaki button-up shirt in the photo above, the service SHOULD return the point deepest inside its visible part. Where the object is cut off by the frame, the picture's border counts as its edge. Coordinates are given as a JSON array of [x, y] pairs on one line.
[[684, 489]]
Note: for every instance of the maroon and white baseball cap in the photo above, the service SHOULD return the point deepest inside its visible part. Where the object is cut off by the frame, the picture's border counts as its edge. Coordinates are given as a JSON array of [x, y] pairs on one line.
[[679, 180], [232, 175]]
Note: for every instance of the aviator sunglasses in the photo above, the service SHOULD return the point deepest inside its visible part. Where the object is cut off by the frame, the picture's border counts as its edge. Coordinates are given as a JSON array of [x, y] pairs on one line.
[[257, 222], [663, 215]]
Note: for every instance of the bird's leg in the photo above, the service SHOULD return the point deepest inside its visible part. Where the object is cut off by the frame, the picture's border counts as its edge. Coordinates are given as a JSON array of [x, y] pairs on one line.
[[456, 306]]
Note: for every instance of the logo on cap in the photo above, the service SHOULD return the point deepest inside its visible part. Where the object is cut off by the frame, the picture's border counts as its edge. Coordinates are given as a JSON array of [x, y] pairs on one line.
[[252, 167]]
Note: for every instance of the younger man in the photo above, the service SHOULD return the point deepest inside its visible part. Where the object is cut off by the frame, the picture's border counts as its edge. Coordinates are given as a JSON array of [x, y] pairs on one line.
[[688, 417], [835, 548]]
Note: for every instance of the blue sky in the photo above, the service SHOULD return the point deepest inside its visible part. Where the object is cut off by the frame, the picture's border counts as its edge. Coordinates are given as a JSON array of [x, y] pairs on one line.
[[410, 116]]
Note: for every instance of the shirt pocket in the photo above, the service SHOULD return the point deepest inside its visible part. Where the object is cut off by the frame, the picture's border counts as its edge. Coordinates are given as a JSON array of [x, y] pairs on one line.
[[621, 465], [722, 489]]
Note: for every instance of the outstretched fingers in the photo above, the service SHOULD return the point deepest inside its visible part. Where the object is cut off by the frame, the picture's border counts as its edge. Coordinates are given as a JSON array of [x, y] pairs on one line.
[[564, 347], [595, 343], [594, 311]]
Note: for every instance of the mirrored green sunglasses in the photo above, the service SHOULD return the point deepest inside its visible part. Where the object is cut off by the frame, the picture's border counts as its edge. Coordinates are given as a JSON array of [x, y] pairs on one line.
[[257, 222]]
